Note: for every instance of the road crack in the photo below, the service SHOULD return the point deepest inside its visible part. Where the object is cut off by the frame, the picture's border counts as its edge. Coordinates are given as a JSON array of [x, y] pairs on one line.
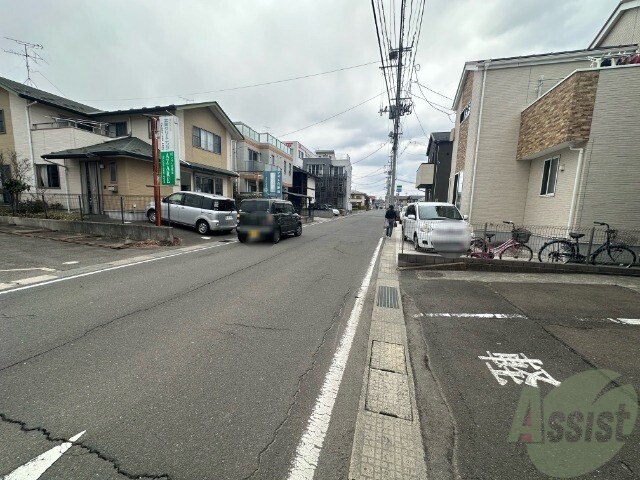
[[88, 450], [301, 378]]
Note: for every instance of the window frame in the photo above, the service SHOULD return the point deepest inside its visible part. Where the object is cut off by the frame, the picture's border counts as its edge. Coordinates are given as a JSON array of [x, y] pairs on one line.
[[113, 172], [40, 180], [3, 125], [206, 140], [549, 173]]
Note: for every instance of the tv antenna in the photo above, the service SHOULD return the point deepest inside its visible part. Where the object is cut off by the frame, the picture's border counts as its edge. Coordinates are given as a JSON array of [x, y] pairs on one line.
[[29, 54]]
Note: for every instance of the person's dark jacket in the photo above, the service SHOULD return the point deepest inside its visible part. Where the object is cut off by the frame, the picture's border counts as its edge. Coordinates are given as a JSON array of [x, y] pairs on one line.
[[391, 214]]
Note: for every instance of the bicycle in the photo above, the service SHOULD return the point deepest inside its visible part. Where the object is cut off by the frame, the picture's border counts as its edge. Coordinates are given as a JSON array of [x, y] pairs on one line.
[[513, 248], [609, 253]]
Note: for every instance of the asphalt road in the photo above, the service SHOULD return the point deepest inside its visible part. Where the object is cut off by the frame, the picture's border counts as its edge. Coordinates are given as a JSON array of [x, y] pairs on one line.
[[199, 364], [571, 324]]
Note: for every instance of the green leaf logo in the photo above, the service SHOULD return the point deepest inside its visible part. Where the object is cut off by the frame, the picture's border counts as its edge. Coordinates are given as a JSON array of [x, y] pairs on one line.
[[585, 421]]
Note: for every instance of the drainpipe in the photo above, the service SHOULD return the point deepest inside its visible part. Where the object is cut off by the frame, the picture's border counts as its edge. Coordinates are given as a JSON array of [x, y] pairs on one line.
[[475, 159], [576, 186], [33, 160]]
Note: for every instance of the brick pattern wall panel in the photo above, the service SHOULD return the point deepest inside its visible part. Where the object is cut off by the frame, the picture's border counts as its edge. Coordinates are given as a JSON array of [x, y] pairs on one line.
[[612, 164], [562, 115], [551, 210], [463, 129], [626, 31]]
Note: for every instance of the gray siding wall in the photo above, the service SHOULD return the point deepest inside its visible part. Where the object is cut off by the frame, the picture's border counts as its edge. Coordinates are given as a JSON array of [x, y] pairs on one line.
[[551, 210], [611, 177], [626, 31]]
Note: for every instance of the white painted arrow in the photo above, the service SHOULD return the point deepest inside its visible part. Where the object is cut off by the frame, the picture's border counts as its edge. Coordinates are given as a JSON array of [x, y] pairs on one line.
[[36, 467]]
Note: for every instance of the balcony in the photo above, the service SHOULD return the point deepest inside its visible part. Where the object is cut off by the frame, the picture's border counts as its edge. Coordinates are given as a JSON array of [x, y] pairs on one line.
[[253, 169], [264, 138], [86, 126], [560, 117]]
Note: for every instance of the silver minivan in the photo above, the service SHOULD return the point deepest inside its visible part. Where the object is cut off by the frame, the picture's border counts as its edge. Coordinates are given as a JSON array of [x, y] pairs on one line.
[[204, 211]]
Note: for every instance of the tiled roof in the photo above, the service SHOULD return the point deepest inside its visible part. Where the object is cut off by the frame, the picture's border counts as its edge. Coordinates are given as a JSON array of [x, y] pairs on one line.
[[31, 93], [127, 146]]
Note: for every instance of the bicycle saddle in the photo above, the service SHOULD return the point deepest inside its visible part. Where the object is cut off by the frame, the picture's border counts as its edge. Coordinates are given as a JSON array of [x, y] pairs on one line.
[[490, 236], [576, 235]]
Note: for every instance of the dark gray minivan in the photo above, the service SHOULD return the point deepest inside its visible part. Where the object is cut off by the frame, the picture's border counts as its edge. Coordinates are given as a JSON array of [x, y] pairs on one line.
[[204, 211]]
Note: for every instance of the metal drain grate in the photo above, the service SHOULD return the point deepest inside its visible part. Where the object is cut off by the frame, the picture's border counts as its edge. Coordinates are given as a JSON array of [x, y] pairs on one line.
[[388, 297]]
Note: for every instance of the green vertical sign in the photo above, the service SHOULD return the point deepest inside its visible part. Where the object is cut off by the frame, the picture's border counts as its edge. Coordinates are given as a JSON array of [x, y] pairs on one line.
[[167, 168]]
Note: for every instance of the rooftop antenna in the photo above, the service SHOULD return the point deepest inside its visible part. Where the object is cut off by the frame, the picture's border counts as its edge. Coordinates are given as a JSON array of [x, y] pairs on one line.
[[29, 53]]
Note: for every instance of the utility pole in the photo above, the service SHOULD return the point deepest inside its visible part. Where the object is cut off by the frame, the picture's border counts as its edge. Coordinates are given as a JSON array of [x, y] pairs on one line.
[[398, 110], [156, 169], [27, 55]]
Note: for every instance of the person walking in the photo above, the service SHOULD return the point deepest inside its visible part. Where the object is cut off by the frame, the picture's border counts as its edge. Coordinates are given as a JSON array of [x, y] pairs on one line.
[[390, 217]]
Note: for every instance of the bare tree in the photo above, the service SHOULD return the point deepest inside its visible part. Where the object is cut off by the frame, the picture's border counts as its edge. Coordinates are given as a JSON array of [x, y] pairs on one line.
[[14, 174]]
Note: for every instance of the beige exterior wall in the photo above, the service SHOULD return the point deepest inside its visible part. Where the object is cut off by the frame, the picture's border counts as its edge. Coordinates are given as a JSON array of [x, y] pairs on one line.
[[501, 182], [551, 209], [6, 139], [610, 191], [626, 31], [562, 115], [203, 118], [21, 132]]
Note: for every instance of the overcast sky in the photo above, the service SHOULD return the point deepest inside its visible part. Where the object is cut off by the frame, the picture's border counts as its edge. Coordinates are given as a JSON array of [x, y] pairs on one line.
[[131, 53]]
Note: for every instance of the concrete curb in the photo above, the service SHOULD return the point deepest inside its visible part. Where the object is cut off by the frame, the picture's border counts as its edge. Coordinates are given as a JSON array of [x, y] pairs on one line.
[[388, 441], [127, 231]]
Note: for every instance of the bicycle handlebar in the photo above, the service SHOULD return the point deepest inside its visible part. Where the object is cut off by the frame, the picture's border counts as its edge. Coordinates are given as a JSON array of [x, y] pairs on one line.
[[602, 223], [508, 221]]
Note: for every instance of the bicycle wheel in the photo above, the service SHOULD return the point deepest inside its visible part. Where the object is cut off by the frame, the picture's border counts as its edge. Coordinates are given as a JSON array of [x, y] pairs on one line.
[[477, 247], [519, 251], [615, 255], [556, 251]]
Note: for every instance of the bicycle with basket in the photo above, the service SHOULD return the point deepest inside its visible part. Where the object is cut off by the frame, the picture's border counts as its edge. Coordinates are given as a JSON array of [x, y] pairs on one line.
[[609, 253], [513, 248]]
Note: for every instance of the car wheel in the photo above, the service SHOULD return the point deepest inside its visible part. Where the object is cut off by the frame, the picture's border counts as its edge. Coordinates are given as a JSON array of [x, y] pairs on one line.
[[151, 215], [416, 244], [242, 237], [276, 235], [298, 231], [203, 227]]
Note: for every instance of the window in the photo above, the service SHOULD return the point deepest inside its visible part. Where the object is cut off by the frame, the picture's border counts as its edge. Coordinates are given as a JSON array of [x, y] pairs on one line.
[[549, 176], [175, 199], [113, 172], [300, 154], [118, 129], [465, 112], [438, 212], [2, 126], [290, 168], [217, 186], [48, 176], [207, 140], [457, 189], [315, 169], [253, 155]]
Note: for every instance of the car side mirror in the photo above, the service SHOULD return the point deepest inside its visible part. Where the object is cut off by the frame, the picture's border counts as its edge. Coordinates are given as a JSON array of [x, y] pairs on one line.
[[465, 217], [412, 217], [164, 200]]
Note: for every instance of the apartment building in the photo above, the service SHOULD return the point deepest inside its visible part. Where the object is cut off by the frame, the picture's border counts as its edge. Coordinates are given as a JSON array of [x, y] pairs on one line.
[[333, 185]]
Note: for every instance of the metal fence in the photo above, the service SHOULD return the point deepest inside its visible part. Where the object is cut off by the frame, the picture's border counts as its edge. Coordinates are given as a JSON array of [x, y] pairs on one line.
[[594, 236], [123, 208]]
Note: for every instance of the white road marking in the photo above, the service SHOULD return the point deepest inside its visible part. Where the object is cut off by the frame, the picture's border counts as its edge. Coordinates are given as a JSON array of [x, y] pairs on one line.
[[471, 315], [34, 469], [30, 280], [517, 367], [115, 267], [205, 238], [306, 460], [73, 262], [44, 269], [629, 321]]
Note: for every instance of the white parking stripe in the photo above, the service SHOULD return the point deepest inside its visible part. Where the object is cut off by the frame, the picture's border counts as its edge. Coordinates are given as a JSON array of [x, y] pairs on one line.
[[308, 451], [471, 315]]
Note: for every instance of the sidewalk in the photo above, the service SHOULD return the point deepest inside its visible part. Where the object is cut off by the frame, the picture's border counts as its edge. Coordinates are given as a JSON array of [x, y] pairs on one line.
[[387, 442]]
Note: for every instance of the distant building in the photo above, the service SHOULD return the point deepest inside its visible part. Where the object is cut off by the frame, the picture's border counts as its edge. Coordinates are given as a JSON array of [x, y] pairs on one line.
[[333, 183]]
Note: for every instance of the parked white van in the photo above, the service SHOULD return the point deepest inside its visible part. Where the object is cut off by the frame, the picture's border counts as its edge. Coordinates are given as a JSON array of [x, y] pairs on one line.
[[204, 211], [437, 227]]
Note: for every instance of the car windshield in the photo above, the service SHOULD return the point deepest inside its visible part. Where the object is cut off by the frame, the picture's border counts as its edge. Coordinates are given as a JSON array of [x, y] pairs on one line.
[[254, 206], [439, 212]]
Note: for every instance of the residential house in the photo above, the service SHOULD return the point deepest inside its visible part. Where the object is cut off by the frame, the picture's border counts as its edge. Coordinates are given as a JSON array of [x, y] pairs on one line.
[[264, 163], [433, 175], [551, 138], [359, 200], [303, 191], [98, 156]]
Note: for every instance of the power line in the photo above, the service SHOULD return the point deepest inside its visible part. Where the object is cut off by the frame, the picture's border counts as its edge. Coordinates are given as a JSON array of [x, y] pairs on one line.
[[329, 118], [372, 153], [437, 93], [237, 88]]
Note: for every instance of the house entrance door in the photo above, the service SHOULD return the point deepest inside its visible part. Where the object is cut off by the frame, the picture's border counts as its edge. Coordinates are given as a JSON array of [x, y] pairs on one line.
[[91, 193]]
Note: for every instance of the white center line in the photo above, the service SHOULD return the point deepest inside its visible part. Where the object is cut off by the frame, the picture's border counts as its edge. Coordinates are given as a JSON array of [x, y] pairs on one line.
[[308, 451], [44, 269], [471, 315]]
